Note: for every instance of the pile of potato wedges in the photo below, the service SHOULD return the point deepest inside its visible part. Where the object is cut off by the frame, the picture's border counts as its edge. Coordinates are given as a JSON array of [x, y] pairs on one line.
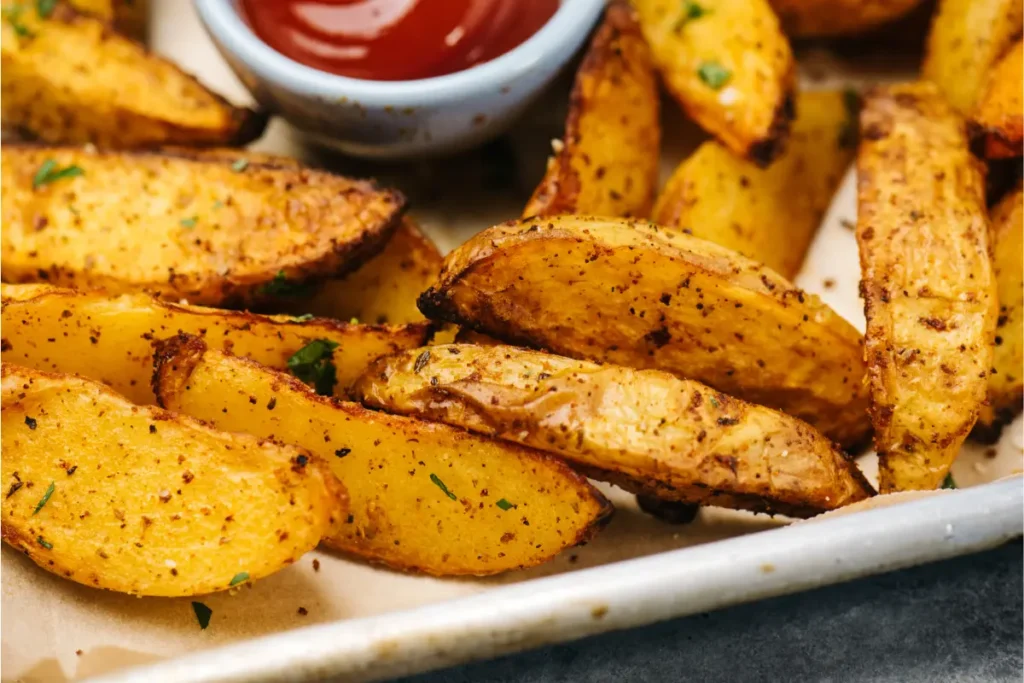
[[215, 360]]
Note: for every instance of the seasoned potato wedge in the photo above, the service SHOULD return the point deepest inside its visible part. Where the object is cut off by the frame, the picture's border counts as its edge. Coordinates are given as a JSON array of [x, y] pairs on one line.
[[1000, 114], [645, 430], [109, 338], [717, 196], [929, 293], [143, 501], [424, 496], [966, 40], [607, 164], [70, 78], [729, 66], [633, 294], [807, 18], [128, 16], [177, 227]]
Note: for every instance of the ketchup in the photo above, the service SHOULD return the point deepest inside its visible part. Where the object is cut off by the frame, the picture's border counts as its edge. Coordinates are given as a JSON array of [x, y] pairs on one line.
[[395, 40]]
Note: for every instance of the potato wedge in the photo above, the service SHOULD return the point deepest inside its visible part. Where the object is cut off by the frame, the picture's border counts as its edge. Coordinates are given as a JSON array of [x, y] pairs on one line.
[[143, 501], [631, 293], [109, 338], [177, 227], [730, 67], [425, 497], [644, 430], [716, 196], [929, 293], [70, 78], [967, 38], [813, 18], [607, 164], [128, 16], [1000, 113]]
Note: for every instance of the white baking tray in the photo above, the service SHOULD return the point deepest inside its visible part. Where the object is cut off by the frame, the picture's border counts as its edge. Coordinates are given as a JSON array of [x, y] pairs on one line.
[[360, 622]]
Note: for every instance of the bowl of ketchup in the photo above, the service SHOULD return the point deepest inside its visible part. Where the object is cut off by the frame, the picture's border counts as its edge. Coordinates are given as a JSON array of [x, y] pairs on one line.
[[393, 79]]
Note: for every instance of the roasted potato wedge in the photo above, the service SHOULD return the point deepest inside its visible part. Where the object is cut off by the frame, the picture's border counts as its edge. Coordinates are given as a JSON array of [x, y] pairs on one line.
[[631, 293], [1000, 114], [143, 501], [729, 66], [717, 196], [813, 18], [70, 78], [109, 338], [203, 230], [929, 293], [966, 40], [424, 496], [644, 430], [128, 16], [1005, 381], [607, 163]]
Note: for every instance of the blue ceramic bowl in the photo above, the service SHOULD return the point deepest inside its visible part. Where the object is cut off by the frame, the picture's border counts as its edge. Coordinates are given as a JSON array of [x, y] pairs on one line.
[[400, 119]]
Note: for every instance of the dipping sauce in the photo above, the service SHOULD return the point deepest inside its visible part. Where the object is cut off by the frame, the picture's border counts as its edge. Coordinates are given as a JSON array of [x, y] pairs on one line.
[[395, 40]]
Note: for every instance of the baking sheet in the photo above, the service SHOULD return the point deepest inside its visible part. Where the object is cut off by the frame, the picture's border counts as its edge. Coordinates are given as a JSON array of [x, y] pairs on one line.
[[371, 622]]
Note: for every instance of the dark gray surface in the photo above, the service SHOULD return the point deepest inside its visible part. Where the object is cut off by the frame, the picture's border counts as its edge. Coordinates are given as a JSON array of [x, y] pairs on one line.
[[958, 620]]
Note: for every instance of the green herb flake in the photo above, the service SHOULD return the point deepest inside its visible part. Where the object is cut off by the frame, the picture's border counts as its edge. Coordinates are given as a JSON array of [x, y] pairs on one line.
[[73, 210], [504, 504], [238, 578], [12, 15], [43, 542], [948, 482], [45, 499], [691, 11], [218, 204], [440, 484], [240, 165], [313, 364], [282, 286], [189, 222], [713, 74], [353, 321], [48, 173], [304, 318], [713, 401], [44, 8], [203, 614]]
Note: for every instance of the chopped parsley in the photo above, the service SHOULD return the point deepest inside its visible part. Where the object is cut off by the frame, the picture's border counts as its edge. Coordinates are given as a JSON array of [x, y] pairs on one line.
[[49, 172], [203, 614], [691, 11], [313, 364], [44, 8], [504, 504], [282, 286], [713, 74], [189, 222], [238, 578], [43, 542], [45, 499], [240, 165], [713, 401], [353, 321], [305, 317], [948, 482], [217, 204], [12, 15], [440, 484]]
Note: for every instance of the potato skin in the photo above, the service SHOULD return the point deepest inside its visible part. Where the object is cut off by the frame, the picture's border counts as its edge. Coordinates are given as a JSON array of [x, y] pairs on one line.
[[928, 288], [148, 502], [1000, 114], [183, 228], [644, 430], [717, 196], [749, 113], [608, 161], [425, 497], [76, 80], [631, 293], [109, 338], [813, 18]]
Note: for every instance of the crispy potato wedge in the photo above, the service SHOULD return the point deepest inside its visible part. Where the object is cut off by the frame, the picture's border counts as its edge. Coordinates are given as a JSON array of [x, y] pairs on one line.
[[967, 38], [644, 430], [812, 18], [70, 78], [607, 164], [929, 293], [717, 196], [425, 497], [109, 338], [128, 16], [143, 501], [467, 335], [233, 155], [183, 228], [631, 293], [1000, 113], [729, 66], [1005, 381]]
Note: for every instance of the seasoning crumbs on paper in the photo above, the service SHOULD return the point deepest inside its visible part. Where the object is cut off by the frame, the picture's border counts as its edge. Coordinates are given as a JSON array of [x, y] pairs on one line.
[[316, 565], [303, 611]]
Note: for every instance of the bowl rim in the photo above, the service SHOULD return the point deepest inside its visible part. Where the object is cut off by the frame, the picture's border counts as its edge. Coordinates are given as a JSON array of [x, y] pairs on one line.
[[570, 24]]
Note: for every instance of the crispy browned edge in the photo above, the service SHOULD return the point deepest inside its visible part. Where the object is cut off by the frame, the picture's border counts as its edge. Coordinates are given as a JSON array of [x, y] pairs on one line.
[[764, 151], [247, 124]]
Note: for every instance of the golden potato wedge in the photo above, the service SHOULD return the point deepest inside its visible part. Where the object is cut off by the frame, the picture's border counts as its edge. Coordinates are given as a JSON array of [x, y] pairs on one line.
[[1005, 380], [128, 16], [631, 293], [467, 335], [967, 38], [143, 501], [729, 66], [70, 78], [240, 158], [716, 196], [109, 338], [424, 496], [812, 18], [203, 230], [607, 164], [644, 430], [1000, 113], [929, 293]]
